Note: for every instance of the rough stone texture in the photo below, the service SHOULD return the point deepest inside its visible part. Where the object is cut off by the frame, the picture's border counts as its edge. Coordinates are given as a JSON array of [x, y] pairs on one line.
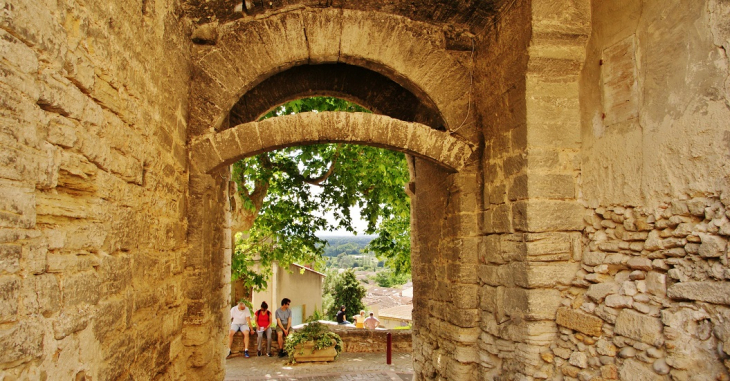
[[643, 141], [713, 292], [93, 102], [585, 238], [579, 321], [231, 145], [640, 327]]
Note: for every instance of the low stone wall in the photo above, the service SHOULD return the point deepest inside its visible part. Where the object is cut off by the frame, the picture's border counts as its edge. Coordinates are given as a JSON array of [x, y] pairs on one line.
[[357, 340], [354, 340], [238, 343]]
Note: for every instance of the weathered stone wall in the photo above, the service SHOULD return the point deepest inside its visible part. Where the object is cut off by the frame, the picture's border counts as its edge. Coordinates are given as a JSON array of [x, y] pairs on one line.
[[654, 103], [93, 109], [501, 85], [528, 65], [444, 234], [650, 298]]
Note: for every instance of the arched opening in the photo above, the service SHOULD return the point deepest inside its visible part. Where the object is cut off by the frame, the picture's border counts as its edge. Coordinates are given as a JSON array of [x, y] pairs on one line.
[[286, 189], [438, 154]]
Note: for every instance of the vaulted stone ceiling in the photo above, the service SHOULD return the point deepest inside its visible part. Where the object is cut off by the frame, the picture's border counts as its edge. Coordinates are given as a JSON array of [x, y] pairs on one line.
[[457, 15]]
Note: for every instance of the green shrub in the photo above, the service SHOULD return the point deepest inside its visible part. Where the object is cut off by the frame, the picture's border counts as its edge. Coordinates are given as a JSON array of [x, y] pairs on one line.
[[313, 331]]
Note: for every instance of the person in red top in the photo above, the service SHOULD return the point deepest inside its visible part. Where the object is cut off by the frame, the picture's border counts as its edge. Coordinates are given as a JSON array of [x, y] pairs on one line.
[[263, 326]]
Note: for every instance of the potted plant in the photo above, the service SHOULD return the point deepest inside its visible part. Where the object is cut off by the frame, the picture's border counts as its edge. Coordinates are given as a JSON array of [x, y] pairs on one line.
[[314, 342]]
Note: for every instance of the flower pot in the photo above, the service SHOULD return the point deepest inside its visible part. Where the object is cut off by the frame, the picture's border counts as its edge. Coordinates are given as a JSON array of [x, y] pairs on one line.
[[305, 352]]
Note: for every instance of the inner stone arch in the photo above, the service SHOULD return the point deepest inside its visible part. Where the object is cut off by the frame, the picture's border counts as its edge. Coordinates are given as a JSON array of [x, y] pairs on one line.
[[360, 85], [248, 139]]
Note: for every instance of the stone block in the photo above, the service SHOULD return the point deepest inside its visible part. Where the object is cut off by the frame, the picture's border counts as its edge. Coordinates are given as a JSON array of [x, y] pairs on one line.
[[500, 219], [542, 216], [606, 348], [579, 321], [578, 359], [514, 164], [466, 354], [551, 186], [496, 275], [619, 301], [707, 291], [543, 274], [204, 156], [490, 250], [637, 326], [9, 295], [462, 371], [465, 296], [490, 298], [41, 294], [17, 206], [548, 247], [597, 292], [636, 370], [639, 263], [620, 85], [535, 304], [70, 321], [80, 288], [109, 317], [10, 258], [496, 194], [519, 188], [593, 258], [462, 273], [463, 318], [21, 342], [656, 283], [35, 258], [712, 246]]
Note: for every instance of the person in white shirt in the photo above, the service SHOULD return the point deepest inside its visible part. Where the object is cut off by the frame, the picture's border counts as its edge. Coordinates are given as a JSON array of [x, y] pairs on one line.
[[240, 321]]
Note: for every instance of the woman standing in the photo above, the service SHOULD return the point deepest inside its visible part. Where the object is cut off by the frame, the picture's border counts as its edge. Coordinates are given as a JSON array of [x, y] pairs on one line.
[[263, 326]]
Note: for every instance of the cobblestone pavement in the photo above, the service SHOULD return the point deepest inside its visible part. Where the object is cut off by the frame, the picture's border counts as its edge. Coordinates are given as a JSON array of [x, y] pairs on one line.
[[347, 367]]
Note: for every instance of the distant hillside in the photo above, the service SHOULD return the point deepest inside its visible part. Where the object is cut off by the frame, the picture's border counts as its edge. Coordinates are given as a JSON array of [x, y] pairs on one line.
[[349, 245]]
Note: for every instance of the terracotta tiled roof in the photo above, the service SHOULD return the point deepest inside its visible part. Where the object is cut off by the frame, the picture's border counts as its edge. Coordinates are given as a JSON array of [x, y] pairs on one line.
[[400, 312]]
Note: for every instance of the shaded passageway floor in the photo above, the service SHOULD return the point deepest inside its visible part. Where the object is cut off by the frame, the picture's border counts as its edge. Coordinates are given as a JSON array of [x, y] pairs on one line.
[[348, 366]]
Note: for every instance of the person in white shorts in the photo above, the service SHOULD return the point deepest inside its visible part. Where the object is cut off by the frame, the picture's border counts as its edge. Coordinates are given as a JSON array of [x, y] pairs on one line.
[[240, 321]]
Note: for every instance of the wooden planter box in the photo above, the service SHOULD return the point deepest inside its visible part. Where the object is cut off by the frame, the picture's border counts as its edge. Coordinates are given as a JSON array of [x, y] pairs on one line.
[[306, 353]]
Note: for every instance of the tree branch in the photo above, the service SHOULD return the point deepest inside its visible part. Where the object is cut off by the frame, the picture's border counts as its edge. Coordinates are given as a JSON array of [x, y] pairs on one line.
[[268, 164]]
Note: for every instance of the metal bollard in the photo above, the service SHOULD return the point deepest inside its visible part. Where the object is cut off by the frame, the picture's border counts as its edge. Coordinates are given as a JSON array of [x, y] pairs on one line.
[[390, 344]]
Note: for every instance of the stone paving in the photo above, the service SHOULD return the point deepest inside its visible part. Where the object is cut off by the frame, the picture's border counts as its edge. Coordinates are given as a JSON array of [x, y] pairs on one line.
[[348, 366]]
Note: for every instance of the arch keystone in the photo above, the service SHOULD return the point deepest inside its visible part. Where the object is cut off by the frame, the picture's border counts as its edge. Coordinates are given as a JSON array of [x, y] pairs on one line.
[[245, 140]]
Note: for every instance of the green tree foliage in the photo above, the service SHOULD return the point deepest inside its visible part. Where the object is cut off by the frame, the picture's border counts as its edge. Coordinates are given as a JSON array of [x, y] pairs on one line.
[[345, 290], [284, 193], [389, 278]]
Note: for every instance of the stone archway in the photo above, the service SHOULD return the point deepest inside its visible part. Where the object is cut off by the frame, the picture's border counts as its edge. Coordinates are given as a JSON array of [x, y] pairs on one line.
[[248, 52], [228, 146], [492, 243], [229, 73], [594, 151]]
